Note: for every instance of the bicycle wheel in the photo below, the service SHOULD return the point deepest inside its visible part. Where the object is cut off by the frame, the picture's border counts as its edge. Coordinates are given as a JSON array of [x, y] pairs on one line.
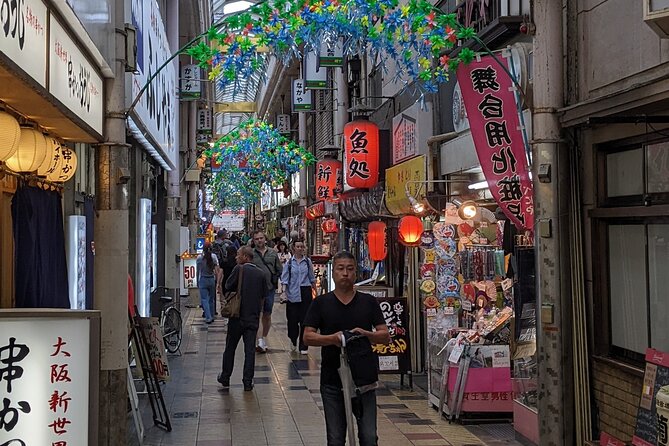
[[172, 329]]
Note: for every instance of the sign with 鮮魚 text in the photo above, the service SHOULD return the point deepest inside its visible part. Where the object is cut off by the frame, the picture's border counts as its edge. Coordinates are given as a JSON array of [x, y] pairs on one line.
[[488, 95]]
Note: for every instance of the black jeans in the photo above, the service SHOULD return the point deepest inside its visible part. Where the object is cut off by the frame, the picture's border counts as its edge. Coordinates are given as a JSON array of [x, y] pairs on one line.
[[295, 314], [236, 331], [364, 409]]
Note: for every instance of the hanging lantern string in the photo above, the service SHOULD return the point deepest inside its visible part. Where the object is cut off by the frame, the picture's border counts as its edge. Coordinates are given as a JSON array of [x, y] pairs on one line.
[[29, 177]]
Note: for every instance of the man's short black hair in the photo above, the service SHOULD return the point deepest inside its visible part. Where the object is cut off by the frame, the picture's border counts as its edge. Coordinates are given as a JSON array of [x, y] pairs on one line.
[[222, 233], [343, 255]]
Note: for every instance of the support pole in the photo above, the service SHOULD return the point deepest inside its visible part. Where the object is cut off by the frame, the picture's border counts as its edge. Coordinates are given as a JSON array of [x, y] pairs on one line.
[[111, 260], [551, 201]]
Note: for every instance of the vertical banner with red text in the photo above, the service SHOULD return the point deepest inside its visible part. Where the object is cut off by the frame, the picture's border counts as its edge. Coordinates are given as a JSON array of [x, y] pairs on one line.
[[489, 99]]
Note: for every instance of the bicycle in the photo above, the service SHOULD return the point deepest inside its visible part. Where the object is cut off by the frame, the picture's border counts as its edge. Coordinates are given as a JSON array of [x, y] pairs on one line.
[[170, 320]]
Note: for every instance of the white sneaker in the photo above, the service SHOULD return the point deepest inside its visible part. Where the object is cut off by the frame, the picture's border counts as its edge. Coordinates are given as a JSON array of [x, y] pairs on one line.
[[262, 346], [304, 352]]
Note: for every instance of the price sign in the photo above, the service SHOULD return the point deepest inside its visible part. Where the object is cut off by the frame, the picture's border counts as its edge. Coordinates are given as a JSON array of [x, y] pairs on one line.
[[189, 273]]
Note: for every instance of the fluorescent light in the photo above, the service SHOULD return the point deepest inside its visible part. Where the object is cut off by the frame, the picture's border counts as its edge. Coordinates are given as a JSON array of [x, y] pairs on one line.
[[231, 8], [479, 185]]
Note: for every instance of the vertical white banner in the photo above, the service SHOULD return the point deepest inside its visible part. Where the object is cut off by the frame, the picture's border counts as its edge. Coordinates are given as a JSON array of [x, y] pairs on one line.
[[144, 258], [76, 261]]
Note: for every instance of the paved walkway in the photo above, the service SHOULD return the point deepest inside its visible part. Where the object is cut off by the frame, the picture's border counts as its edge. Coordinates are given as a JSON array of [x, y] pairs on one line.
[[285, 407]]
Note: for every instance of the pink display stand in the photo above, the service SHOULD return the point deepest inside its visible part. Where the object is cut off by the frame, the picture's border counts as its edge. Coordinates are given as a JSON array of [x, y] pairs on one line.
[[526, 422], [487, 389]]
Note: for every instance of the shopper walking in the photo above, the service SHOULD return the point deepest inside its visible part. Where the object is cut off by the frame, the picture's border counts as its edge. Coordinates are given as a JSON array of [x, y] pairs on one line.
[[207, 270], [299, 280], [253, 288], [284, 256], [268, 261], [331, 314]]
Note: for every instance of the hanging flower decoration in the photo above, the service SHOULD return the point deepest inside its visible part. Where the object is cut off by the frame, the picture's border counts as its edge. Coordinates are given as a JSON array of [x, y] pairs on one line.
[[252, 154], [413, 36]]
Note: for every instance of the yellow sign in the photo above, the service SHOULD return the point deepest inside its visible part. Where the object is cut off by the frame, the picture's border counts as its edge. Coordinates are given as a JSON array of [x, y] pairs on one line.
[[397, 177], [234, 107]]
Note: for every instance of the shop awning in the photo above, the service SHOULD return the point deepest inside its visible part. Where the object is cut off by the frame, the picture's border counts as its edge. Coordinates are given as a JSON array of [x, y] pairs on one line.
[[364, 206]]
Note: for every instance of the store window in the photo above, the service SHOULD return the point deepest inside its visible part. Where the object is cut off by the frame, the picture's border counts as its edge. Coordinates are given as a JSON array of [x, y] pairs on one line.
[[634, 241]]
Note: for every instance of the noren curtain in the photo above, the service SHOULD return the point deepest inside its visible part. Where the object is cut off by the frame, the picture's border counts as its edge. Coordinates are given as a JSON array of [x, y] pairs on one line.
[[40, 271]]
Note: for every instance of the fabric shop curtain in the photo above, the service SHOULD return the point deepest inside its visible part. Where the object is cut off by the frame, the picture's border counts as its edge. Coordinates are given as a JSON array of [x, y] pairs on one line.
[[40, 272]]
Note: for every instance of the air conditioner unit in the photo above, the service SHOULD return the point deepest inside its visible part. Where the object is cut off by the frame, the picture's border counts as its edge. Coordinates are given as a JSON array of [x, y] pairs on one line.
[[656, 15]]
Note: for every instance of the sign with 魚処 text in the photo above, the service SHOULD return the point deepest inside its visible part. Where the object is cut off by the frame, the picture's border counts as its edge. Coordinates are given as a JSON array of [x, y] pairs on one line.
[[73, 80], [487, 92], [44, 381]]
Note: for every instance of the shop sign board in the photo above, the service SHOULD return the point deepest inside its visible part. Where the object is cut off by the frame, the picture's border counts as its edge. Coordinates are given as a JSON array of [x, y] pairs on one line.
[[332, 55], [283, 123], [315, 78], [157, 108], [144, 262], [45, 390], [397, 177], [405, 137], [190, 82], [302, 98], [189, 272], [204, 121], [23, 38], [230, 220], [648, 422], [155, 346], [488, 95], [73, 80], [76, 260], [394, 357]]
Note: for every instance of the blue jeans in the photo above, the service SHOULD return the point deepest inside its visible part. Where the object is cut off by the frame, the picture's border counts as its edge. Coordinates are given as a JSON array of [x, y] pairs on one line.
[[364, 409], [207, 286], [269, 302]]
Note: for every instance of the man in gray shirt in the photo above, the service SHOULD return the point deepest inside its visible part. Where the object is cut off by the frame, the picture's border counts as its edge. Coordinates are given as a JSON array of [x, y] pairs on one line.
[[268, 261]]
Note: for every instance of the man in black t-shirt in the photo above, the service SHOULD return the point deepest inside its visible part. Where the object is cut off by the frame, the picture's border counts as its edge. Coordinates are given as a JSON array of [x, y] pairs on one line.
[[330, 314]]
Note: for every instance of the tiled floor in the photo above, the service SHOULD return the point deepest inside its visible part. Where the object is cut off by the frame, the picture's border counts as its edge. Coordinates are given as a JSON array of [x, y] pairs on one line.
[[285, 407]]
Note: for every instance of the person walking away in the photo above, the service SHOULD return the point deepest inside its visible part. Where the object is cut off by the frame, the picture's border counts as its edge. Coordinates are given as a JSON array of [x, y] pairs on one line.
[[268, 261], [207, 269], [329, 315], [298, 279], [284, 256], [219, 249], [253, 288]]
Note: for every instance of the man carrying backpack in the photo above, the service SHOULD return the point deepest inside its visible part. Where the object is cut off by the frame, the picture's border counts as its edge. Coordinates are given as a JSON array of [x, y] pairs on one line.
[[298, 279], [221, 247], [332, 314]]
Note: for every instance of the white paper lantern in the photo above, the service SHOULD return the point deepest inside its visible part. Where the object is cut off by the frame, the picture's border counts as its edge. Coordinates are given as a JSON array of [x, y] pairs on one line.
[[53, 158], [30, 153], [10, 133], [67, 168]]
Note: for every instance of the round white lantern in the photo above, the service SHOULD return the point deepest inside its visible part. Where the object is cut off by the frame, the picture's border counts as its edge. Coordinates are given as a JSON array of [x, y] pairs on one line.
[[10, 133], [31, 151]]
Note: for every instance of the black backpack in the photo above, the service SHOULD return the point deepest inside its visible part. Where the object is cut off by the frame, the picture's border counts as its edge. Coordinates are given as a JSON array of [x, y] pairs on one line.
[[221, 253]]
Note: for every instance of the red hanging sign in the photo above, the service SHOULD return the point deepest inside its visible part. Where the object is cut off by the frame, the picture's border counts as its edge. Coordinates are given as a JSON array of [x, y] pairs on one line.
[[493, 117], [328, 179], [362, 153], [315, 210]]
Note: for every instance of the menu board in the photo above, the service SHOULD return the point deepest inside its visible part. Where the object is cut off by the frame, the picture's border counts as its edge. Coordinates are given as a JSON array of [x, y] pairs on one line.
[[656, 376], [394, 357]]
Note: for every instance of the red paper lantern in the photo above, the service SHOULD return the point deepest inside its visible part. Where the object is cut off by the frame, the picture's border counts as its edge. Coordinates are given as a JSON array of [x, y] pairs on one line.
[[362, 153], [329, 226], [410, 229], [315, 210], [376, 240], [328, 179]]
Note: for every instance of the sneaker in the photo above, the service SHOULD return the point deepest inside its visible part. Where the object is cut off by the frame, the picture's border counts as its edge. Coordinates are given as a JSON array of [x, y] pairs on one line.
[[262, 346], [248, 387], [304, 352], [223, 382]]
